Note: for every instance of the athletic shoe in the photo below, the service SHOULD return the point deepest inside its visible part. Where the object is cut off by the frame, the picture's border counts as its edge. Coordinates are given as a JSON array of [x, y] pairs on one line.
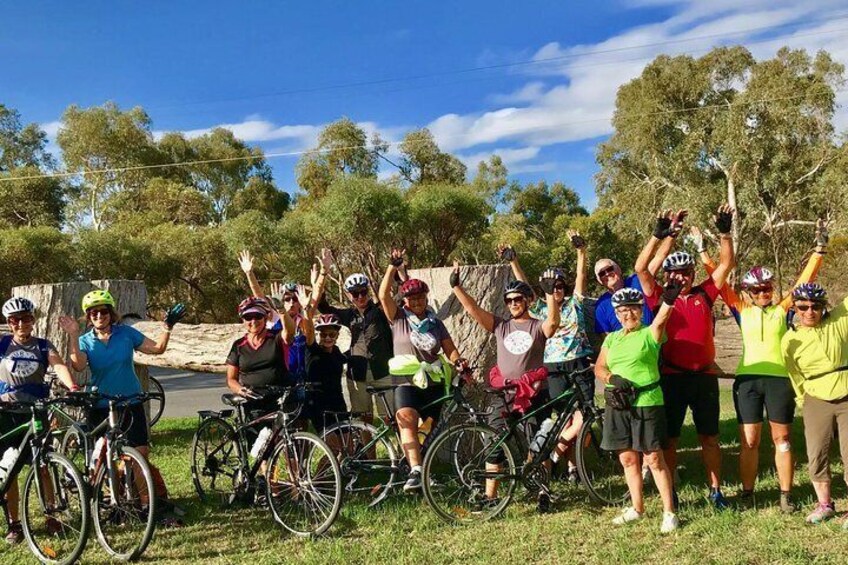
[[669, 522], [821, 514], [16, 534], [627, 516], [260, 495], [786, 504], [745, 500], [717, 499], [543, 502], [412, 483], [573, 476], [484, 505]]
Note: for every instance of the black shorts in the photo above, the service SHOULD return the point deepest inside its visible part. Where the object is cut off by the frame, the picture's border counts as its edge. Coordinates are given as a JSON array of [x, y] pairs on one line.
[[498, 405], [697, 391], [642, 428], [753, 393], [325, 410], [133, 424], [422, 400], [560, 375], [8, 422]]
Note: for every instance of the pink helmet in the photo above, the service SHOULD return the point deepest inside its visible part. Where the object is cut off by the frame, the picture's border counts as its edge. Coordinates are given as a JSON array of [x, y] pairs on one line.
[[412, 287], [757, 276], [327, 321], [254, 304]]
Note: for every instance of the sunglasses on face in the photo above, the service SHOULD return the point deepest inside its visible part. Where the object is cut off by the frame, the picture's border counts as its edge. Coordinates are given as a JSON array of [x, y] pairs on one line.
[[99, 313], [609, 271], [328, 335], [252, 317], [358, 293], [760, 289], [559, 287], [623, 309], [289, 298], [14, 320], [514, 300], [816, 307]]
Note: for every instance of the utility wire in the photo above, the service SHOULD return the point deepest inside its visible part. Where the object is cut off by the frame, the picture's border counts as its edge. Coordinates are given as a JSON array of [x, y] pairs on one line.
[[389, 144]]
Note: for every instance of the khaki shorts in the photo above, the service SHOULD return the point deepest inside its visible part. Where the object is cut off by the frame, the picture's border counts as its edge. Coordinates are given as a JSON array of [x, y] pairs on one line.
[[358, 399]]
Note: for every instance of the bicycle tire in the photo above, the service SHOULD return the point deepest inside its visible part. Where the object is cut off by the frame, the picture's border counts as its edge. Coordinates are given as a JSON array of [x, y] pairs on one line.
[[363, 475], [304, 485], [157, 402], [599, 470], [66, 486], [130, 508], [74, 446], [216, 453], [454, 474]]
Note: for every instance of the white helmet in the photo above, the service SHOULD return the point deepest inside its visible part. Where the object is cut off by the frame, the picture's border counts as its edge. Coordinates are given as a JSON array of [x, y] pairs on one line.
[[627, 297], [17, 305], [678, 261], [355, 281]]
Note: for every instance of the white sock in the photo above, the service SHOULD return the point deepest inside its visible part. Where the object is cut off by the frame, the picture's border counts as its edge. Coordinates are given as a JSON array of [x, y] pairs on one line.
[[416, 468]]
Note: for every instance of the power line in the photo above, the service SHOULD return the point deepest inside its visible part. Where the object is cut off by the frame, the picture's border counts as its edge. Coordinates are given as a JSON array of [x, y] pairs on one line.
[[389, 144], [517, 64]]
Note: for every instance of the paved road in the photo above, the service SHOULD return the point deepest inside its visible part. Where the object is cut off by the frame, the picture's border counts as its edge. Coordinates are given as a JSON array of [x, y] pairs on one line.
[[186, 392]]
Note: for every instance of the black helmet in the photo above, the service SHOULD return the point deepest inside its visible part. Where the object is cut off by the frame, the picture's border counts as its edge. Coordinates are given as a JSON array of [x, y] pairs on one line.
[[519, 287]]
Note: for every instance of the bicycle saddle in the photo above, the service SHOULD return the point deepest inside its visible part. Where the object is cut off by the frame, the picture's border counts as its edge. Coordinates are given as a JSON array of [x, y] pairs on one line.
[[233, 399]]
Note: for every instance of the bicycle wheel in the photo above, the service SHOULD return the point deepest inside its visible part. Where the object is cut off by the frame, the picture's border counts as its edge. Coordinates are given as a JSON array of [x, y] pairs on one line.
[[125, 516], [216, 461], [57, 520], [74, 446], [304, 485], [156, 401], [459, 466], [369, 466], [599, 470]]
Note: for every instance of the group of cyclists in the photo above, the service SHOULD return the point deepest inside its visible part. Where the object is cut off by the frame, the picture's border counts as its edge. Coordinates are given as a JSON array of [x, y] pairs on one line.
[[657, 360]]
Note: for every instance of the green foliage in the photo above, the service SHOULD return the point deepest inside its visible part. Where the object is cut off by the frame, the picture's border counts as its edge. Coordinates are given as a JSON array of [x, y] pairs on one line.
[[34, 200], [260, 194], [34, 255], [424, 163], [20, 145]]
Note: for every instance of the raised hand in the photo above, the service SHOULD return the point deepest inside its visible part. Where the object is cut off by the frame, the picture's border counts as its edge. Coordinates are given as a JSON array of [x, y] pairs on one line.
[[547, 280], [662, 227], [314, 273], [69, 326], [677, 222], [454, 276], [174, 315], [326, 259], [576, 239], [506, 252], [697, 239], [245, 261], [396, 257], [671, 291], [724, 219]]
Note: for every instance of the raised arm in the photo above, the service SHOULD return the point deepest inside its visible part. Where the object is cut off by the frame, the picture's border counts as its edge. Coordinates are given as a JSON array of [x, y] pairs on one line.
[[727, 259], [669, 295], [554, 318], [289, 327], [814, 263], [246, 264], [309, 330], [319, 285], [507, 253], [485, 319], [387, 301], [580, 275], [642, 266]]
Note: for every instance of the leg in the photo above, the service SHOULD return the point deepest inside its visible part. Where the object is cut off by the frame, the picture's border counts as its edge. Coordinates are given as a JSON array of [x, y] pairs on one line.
[[749, 401], [662, 477], [783, 460], [749, 455], [158, 480], [633, 475], [13, 499], [675, 413], [670, 456], [818, 433], [705, 412], [407, 419], [842, 426]]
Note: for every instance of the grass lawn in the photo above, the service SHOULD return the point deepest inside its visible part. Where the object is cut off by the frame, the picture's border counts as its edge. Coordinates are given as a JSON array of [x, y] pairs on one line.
[[404, 530]]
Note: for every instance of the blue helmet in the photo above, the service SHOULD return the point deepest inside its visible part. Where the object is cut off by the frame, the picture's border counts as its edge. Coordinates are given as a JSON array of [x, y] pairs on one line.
[[814, 292]]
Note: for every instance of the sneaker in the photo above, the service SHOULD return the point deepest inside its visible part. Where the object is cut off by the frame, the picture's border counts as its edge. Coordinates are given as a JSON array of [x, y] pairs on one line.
[[412, 483], [717, 499], [543, 502], [786, 504], [669, 522], [572, 476], [484, 505], [821, 514], [16, 533], [260, 492], [745, 500], [629, 515]]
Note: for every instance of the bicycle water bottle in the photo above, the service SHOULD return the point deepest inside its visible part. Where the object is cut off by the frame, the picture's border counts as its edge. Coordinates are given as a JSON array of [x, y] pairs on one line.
[[542, 435], [6, 463], [260, 443]]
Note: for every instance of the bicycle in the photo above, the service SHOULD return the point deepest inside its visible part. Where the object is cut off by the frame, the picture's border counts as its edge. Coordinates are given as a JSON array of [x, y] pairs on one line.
[[123, 498], [302, 480], [467, 458], [156, 400], [56, 518], [368, 456]]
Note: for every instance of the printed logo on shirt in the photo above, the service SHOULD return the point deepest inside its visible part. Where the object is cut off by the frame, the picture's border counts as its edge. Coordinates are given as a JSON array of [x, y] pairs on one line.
[[22, 364], [518, 342], [422, 342]]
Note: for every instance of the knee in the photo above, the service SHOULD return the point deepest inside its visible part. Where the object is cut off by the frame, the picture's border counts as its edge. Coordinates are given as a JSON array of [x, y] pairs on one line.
[[654, 460], [407, 418], [750, 442], [629, 459], [782, 444], [708, 442]]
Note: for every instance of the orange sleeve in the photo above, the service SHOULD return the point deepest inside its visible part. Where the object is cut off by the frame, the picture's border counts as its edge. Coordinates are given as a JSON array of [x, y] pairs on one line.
[[727, 293], [809, 274]]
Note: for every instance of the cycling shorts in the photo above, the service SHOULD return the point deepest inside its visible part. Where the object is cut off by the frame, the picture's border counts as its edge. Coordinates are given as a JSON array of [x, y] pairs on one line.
[[753, 394], [695, 391]]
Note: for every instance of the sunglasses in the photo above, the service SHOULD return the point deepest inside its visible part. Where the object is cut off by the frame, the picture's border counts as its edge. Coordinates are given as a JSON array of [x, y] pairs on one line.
[[559, 287], [289, 298], [328, 335], [817, 307], [514, 299], [359, 293], [14, 320], [99, 313], [760, 289], [604, 273], [252, 317]]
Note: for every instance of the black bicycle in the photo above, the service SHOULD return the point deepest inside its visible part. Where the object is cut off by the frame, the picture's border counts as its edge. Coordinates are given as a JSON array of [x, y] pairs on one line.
[[155, 400], [371, 461], [123, 495], [56, 519], [471, 471], [302, 481]]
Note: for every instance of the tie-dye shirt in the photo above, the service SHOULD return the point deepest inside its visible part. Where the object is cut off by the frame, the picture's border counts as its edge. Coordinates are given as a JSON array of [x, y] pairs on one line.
[[570, 340]]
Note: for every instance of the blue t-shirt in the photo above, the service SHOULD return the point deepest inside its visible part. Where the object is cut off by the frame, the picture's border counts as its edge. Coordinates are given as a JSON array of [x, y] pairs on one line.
[[605, 320], [111, 363]]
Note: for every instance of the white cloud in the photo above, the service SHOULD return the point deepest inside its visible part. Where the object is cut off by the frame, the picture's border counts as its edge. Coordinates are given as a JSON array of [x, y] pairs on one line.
[[51, 128], [510, 157]]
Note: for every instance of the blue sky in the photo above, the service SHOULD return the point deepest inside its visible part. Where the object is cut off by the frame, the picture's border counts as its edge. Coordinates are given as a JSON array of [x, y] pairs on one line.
[[275, 72]]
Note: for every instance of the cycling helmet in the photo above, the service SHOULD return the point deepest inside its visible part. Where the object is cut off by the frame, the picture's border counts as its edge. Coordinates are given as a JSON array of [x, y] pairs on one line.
[[97, 298], [276, 301], [327, 321], [519, 287], [627, 297], [678, 261], [289, 288], [356, 281], [17, 305], [412, 287], [253, 304], [810, 291], [757, 276]]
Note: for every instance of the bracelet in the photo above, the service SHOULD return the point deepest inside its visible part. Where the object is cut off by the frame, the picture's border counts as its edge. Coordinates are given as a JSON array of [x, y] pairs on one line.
[[167, 330]]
